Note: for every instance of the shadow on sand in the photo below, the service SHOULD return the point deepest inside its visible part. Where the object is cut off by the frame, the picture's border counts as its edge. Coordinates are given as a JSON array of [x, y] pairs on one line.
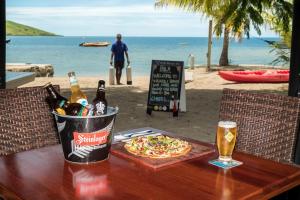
[[199, 122]]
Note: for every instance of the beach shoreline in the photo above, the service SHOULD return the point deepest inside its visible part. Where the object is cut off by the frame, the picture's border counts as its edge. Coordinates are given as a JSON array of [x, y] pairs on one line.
[[65, 54], [203, 97]]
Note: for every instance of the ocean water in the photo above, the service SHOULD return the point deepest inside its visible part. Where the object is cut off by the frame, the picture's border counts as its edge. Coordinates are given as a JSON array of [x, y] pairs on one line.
[[65, 54]]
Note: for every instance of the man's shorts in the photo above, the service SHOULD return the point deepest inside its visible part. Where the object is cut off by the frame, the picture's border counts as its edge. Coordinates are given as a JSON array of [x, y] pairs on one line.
[[119, 64]]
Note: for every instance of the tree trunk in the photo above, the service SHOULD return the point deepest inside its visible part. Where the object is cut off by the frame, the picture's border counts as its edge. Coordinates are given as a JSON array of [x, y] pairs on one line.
[[224, 55]]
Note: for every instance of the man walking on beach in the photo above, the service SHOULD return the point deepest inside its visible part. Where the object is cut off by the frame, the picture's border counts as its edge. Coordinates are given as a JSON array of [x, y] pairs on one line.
[[118, 50]]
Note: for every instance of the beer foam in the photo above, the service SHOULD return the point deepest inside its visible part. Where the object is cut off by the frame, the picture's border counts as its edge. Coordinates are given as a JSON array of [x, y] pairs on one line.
[[227, 124]]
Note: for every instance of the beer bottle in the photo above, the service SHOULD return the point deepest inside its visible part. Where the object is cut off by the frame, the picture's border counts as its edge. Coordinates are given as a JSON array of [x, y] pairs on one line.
[[100, 103], [76, 109], [61, 105], [55, 100], [77, 95]]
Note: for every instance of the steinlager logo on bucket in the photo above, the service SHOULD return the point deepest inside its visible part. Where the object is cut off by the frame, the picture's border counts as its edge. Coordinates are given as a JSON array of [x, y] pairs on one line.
[[90, 139]]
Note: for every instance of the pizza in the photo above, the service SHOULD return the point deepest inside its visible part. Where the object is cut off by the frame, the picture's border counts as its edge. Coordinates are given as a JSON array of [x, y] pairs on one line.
[[157, 146]]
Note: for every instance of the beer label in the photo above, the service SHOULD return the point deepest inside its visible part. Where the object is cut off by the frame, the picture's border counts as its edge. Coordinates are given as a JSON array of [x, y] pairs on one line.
[[83, 102], [83, 111], [53, 93], [101, 88], [84, 143], [229, 136], [90, 139], [60, 111], [100, 108], [61, 103], [73, 81]]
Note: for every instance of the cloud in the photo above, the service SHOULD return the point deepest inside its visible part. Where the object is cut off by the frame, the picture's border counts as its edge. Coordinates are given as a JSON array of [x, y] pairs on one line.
[[133, 19], [94, 11]]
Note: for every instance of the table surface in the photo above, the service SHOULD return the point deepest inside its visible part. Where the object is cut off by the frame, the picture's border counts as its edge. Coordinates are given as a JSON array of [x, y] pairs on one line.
[[43, 174], [15, 79]]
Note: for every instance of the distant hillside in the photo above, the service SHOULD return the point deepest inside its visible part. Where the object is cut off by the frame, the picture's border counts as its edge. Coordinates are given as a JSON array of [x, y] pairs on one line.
[[13, 28]]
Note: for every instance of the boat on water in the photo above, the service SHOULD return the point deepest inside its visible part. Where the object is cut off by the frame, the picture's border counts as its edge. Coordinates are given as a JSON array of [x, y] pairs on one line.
[[94, 44], [257, 76], [183, 43], [8, 41]]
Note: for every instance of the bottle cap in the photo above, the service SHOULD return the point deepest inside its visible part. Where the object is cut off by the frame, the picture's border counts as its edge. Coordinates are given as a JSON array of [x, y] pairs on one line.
[[101, 82], [71, 74]]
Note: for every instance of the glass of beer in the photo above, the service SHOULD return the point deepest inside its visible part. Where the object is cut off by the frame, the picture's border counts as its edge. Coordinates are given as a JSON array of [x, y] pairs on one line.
[[226, 137]]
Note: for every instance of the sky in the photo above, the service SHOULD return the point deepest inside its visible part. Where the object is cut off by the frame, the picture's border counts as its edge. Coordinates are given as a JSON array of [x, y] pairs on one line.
[[108, 17]]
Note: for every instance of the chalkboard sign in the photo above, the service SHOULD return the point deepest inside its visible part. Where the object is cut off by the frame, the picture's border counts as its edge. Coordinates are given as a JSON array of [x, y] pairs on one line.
[[165, 81]]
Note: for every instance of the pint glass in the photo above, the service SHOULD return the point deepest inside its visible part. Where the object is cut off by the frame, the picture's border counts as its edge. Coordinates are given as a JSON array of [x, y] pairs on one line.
[[226, 137]]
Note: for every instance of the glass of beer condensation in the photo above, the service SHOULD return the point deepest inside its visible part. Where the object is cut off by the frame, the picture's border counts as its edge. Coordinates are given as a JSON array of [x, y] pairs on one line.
[[226, 137]]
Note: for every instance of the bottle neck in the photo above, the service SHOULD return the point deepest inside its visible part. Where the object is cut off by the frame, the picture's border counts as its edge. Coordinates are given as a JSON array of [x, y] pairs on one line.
[[55, 100], [75, 88], [73, 80], [101, 93], [52, 92], [74, 84]]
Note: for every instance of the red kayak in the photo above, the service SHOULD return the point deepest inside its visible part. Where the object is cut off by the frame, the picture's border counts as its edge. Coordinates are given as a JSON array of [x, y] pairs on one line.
[[259, 76]]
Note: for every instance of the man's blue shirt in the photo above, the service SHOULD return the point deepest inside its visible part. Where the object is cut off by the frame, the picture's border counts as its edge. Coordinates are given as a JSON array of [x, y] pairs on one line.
[[119, 48]]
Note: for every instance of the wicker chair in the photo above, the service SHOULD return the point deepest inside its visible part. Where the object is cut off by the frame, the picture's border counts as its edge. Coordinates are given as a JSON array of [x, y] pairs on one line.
[[267, 123], [25, 120]]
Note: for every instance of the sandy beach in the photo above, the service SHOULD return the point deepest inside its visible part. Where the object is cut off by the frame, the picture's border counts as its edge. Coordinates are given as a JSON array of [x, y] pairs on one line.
[[203, 96]]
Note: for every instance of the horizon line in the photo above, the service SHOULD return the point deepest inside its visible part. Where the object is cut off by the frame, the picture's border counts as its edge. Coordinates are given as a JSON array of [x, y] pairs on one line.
[[124, 36]]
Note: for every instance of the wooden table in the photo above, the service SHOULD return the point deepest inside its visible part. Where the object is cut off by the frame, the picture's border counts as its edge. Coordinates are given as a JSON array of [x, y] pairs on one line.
[[16, 79], [43, 174]]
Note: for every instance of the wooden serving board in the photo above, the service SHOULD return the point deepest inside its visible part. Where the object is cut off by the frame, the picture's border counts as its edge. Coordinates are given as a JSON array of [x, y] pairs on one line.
[[155, 163]]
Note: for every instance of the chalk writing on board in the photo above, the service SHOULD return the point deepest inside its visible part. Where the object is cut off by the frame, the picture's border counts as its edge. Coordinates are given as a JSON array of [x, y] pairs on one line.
[[165, 81]]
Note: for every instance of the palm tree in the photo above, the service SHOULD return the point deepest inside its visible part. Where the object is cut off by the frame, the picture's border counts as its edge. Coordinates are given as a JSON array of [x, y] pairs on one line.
[[211, 9], [281, 48], [234, 16]]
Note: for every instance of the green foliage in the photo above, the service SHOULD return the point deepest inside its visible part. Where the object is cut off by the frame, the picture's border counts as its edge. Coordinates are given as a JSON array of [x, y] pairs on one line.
[[210, 8], [281, 23], [13, 28], [237, 15], [282, 56], [282, 52]]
